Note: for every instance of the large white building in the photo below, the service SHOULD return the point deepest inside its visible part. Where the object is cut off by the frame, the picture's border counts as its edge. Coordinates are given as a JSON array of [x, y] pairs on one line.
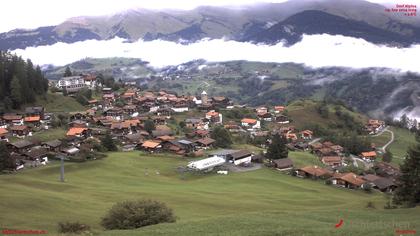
[[206, 164], [75, 83], [71, 83]]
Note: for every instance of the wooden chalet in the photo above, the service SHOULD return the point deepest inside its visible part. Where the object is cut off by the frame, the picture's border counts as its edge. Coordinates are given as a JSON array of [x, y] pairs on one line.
[[20, 130], [348, 180], [314, 172], [205, 142]]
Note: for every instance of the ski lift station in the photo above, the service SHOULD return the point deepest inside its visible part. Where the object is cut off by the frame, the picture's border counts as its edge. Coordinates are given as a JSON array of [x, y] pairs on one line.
[[218, 158], [206, 164]]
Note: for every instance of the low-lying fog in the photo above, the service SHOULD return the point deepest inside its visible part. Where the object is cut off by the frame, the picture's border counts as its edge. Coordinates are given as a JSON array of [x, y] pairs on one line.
[[314, 51]]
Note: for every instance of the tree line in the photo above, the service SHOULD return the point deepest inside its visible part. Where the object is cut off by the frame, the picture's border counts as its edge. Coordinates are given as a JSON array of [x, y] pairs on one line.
[[20, 81]]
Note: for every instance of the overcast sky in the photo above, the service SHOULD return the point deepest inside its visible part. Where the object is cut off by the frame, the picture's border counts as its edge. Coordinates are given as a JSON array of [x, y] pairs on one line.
[[34, 13]]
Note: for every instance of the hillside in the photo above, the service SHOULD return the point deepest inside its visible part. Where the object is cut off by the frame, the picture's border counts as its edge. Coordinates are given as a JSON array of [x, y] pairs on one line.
[[319, 22], [377, 92], [125, 68], [58, 103], [262, 202], [306, 115]]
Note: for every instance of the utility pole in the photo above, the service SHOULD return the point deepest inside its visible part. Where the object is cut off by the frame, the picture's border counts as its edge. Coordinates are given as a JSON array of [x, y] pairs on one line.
[[62, 169]]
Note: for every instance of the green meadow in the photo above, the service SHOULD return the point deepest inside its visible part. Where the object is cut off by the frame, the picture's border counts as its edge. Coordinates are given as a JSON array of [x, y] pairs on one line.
[[261, 202]]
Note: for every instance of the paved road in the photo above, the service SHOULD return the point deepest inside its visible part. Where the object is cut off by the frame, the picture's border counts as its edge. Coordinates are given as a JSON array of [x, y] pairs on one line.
[[390, 141], [381, 132]]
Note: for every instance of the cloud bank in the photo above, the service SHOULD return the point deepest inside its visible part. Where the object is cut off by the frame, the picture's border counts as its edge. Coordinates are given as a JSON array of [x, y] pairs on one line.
[[314, 51]]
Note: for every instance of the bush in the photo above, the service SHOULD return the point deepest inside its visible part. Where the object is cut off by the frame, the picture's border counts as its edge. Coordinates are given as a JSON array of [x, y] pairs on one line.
[[136, 214], [72, 227], [367, 188], [370, 205]]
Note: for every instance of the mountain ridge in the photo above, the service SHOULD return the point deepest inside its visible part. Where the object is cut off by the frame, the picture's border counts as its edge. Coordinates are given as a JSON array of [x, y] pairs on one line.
[[204, 22]]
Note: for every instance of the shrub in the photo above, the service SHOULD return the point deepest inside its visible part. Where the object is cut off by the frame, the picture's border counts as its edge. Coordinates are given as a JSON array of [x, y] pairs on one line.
[[367, 188], [72, 227], [136, 214], [370, 205]]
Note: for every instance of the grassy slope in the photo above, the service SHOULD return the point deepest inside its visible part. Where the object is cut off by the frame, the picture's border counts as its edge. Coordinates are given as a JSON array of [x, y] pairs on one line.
[[382, 139], [107, 66], [45, 135], [262, 202], [304, 113], [59, 103], [403, 140], [301, 159]]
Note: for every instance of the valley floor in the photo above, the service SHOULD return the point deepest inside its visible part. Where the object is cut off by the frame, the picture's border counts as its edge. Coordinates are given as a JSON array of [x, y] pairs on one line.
[[261, 202]]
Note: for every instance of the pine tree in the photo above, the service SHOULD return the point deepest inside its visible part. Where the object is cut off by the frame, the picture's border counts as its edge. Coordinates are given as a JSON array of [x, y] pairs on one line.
[[67, 72], [19, 81], [387, 156], [65, 93], [6, 161], [109, 143], [222, 137], [149, 126], [408, 192], [15, 92], [277, 149]]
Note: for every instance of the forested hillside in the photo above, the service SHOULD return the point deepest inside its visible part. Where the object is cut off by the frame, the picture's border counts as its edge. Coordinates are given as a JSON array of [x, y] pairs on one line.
[[20, 82]]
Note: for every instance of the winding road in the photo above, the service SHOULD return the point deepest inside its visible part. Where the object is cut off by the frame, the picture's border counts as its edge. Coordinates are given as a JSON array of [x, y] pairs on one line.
[[383, 148]]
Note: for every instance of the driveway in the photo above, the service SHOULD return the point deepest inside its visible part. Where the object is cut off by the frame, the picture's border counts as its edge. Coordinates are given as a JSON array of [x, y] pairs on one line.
[[252, 167]]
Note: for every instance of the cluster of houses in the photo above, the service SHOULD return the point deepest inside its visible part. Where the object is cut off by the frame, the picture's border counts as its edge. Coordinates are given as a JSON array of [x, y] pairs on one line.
[[329, 153], [126, 124], [374, 126], [22, 125], [125, 116], [384, 180]]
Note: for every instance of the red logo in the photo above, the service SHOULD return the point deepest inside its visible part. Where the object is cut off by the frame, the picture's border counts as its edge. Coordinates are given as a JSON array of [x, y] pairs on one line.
[[339, 224]]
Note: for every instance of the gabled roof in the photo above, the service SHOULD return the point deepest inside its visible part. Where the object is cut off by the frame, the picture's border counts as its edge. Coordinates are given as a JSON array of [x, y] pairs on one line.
[[119, 125], [383, 183], [75, 131], [205, 141], [11, 117], [202, 132], [315, 171], [248, 121], [241, 154], [53, 143], [352, 178], [331, 159], [193, 120], [369, 154], [185, 142], [150, 144], [22, 144], [370, 177], [166, 138], [36, 153], [18, 127], [283, 163], [157, 133], [212, 113], [3, 131]]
